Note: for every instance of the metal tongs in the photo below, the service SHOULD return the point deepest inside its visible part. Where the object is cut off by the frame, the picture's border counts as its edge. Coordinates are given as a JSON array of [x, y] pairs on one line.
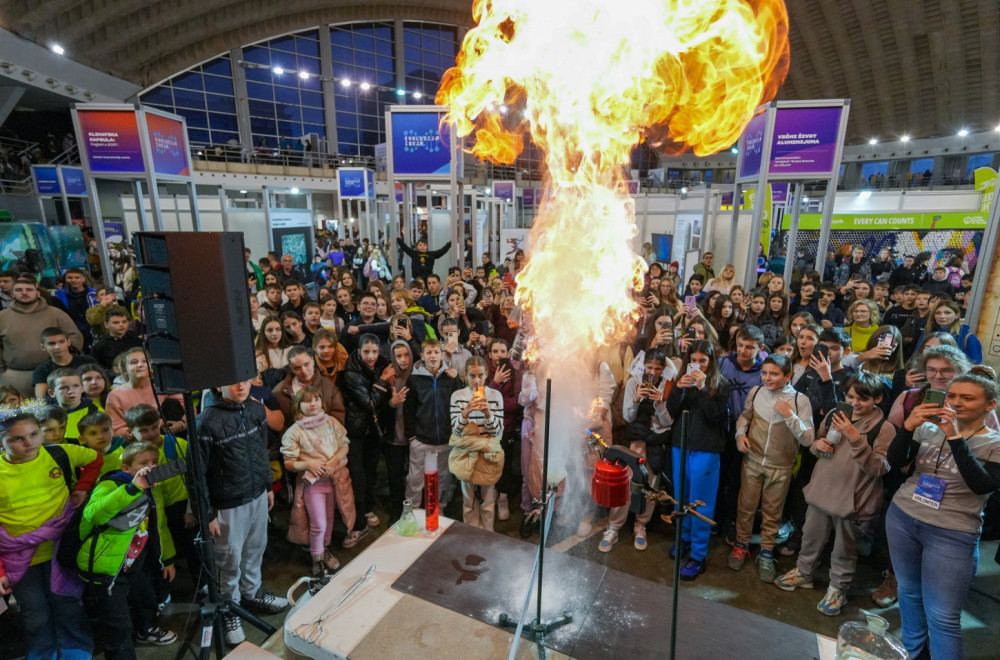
[[313, 632]]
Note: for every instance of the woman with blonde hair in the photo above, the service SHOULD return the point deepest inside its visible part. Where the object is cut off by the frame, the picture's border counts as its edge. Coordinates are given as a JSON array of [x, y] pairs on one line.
[[724, 282], [865, 319]]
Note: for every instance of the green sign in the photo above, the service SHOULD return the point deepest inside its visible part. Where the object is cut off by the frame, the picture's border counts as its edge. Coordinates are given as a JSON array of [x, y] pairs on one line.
[[971, 221]]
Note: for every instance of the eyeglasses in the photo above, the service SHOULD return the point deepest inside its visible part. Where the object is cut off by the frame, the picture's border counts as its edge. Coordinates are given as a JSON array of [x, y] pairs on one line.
[[939, 372]]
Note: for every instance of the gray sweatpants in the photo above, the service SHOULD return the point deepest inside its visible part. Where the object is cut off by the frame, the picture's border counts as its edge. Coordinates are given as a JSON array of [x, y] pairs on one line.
[[844, 558], [415, 475], [239, 551]]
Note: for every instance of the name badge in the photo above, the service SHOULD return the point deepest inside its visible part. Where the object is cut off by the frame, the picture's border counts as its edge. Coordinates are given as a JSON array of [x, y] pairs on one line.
[[929, 491]]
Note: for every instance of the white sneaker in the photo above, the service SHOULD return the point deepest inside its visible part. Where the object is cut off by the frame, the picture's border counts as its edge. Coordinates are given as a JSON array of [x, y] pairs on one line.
[[233, 633], [609, 539], [503, 508], [353, 537], [372, 519]]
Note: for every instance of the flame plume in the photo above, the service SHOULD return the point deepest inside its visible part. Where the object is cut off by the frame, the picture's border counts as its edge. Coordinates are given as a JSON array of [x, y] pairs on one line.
[[590, 79]]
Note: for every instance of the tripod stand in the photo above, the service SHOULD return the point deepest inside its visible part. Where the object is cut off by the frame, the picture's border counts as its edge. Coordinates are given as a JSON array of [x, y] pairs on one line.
[[537, 629], [215, 607]]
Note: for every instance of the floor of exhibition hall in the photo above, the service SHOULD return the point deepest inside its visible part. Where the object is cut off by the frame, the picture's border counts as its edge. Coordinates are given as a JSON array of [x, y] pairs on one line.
[[742, 590]]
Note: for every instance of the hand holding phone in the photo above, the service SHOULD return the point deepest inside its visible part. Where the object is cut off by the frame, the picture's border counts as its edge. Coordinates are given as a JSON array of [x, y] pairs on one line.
[[935, 397], [691, 302], [161, 473]]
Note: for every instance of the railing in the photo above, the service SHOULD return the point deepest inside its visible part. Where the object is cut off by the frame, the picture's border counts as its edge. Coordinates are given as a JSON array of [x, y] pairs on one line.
[[235, 153]]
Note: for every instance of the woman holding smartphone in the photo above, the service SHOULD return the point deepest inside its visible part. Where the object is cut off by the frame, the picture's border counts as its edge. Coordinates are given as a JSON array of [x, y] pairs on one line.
[[704, 393], [935, 519]]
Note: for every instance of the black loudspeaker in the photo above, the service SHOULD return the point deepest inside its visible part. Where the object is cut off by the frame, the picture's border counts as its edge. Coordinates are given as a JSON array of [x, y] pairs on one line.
[[197, 309]]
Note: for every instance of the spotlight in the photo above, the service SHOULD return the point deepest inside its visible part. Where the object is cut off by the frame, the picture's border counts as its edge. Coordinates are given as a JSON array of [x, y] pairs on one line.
[[243, 192], [684, 190], [963, 132], [735, 150], [294, 191], [400, 92], [417, 95], [997, 129], [304, 75], [905, 138], [57, 49], [365, 87], [873, 141], [864, 194], [346, 82], [277, 70], [805, 199]]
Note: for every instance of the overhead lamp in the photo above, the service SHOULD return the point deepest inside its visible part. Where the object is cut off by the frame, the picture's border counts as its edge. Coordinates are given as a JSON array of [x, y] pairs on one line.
[[277, 70], [365, 87], [864, 194], [735, 150], [417, 95], [997, 129], [805, 199], [905, 138], [57, 49], [294, 191], [243, 192], [873, 141], [346, 82], [304, 75], [963, 132], [400, 92], [684, 190]]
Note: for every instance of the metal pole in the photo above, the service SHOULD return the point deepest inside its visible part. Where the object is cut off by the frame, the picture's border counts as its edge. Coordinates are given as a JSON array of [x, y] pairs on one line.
[[750, 276], [793, 233], [681, 491], [734, 220], [707, 236], [546, 501], [831, 192]]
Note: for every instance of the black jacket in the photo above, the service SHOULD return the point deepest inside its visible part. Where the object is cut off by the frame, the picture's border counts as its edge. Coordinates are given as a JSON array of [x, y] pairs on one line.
[[107, 348], [427, 410], [232, 439], [368, 412], [823, 395], [708, 419], [422, 263]]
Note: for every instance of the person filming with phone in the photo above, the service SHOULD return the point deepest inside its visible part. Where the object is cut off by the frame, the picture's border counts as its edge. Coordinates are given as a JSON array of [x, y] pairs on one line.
[[935, 519]]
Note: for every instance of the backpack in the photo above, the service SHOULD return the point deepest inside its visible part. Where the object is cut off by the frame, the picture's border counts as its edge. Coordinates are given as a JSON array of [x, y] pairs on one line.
[[70, 542], [955, 277]]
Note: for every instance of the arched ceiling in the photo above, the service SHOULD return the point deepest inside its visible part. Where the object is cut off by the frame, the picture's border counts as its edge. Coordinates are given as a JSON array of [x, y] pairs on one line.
[[922, 67]]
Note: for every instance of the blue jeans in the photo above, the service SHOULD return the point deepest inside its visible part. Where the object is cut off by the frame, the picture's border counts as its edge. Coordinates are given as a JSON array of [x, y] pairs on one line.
[[702, 484], [55, 627], [934, 568]]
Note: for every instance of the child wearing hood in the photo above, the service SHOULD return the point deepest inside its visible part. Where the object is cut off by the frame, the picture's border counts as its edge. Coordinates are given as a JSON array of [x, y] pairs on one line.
[[396, 446], [775, 421]]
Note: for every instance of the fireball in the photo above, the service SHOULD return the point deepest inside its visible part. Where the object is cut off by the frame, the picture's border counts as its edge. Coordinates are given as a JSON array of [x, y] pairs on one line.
[[588, 80]]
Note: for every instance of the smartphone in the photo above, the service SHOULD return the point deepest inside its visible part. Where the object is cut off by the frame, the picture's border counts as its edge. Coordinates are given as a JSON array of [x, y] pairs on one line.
[[401, 323], [822, 349], [161, 473], [692, 367], [647, 379], [480, 392], [887, 340], [508, 280], [504, 362], [451, 337], [691, 302], [691, 333], [936, 397], [846, 408], [484, 328]]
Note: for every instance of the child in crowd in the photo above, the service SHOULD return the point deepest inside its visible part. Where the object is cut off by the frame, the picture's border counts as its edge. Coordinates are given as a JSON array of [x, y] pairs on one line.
[[96, 385], [272, 345], [704, 393], [775, 421], [66, 386], [329, 318], [10, 396], [645, 410], [53, 421], [38, 495], [427, 422], [476, 458], [316, 448], [133, 366], [506, 379], [116, 339], [57, 344], [845, 492], [95, 433], [125, 543]]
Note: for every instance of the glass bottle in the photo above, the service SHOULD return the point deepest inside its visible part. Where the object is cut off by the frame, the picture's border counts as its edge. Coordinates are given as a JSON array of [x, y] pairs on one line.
[[407, 525], [868, 641], [431, 507]]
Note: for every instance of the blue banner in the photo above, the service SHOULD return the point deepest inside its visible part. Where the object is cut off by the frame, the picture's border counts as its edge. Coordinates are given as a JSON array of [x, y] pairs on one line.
[[370, 176], [46, 179], [420, 145], [351, 183], [73, 181]]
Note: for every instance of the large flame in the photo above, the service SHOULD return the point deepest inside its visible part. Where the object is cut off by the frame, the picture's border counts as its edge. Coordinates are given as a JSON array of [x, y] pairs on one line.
[[590, 79]]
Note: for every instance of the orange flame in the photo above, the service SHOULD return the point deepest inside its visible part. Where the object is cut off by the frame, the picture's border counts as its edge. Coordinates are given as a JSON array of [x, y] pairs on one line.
[[590, 79]]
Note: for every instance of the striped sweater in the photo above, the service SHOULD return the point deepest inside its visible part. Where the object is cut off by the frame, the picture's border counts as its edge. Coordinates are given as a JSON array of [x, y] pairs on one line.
[[490, 427]]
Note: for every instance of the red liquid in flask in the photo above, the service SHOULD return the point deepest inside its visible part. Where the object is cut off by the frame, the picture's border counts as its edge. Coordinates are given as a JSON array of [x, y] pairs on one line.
[[431, 507]]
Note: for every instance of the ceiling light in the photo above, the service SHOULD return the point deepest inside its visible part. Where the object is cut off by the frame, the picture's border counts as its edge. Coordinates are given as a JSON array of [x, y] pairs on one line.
[[57, 49], [905, 138], [417, 95], [805, 199], [346, 82], [243, 192], [400, 92], [873, 141], [864, 194], [304, 75], [735, 150], [684, 190], [294, 191], [365, 86], [963, 132], [277, 70], [503, 109], [997, 129]]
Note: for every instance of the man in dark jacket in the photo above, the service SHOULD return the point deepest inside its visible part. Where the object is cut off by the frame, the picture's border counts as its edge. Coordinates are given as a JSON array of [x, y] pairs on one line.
[[232, 444], [908, 273], [422, 260], [366, 382], [427, 420], [77, 296]]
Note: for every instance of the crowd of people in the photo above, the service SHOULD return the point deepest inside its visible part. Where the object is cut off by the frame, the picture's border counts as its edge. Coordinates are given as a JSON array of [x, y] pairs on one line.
[[853, 407]]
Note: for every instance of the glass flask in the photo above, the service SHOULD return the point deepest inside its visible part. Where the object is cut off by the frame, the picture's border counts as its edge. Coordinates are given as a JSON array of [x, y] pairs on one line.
[[407, 525]]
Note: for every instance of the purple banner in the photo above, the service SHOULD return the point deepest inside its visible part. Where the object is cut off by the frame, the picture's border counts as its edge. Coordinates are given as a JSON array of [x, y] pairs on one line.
[[528, 197], [805, 141], [110, 141], [504, 190], [168, 145], [779, 193], [752, 146]]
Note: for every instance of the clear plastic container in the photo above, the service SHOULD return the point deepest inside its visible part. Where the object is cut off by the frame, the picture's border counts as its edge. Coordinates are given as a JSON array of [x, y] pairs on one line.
[[407, 525], [868, 641]]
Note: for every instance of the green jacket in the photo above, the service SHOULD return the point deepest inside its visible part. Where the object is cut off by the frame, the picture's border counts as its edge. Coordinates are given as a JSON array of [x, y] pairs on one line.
[[110, 497]]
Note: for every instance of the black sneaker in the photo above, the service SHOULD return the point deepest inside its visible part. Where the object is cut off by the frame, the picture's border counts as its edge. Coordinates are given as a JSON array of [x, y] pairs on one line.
[[156, 636], [527, 527], [265, 603]]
